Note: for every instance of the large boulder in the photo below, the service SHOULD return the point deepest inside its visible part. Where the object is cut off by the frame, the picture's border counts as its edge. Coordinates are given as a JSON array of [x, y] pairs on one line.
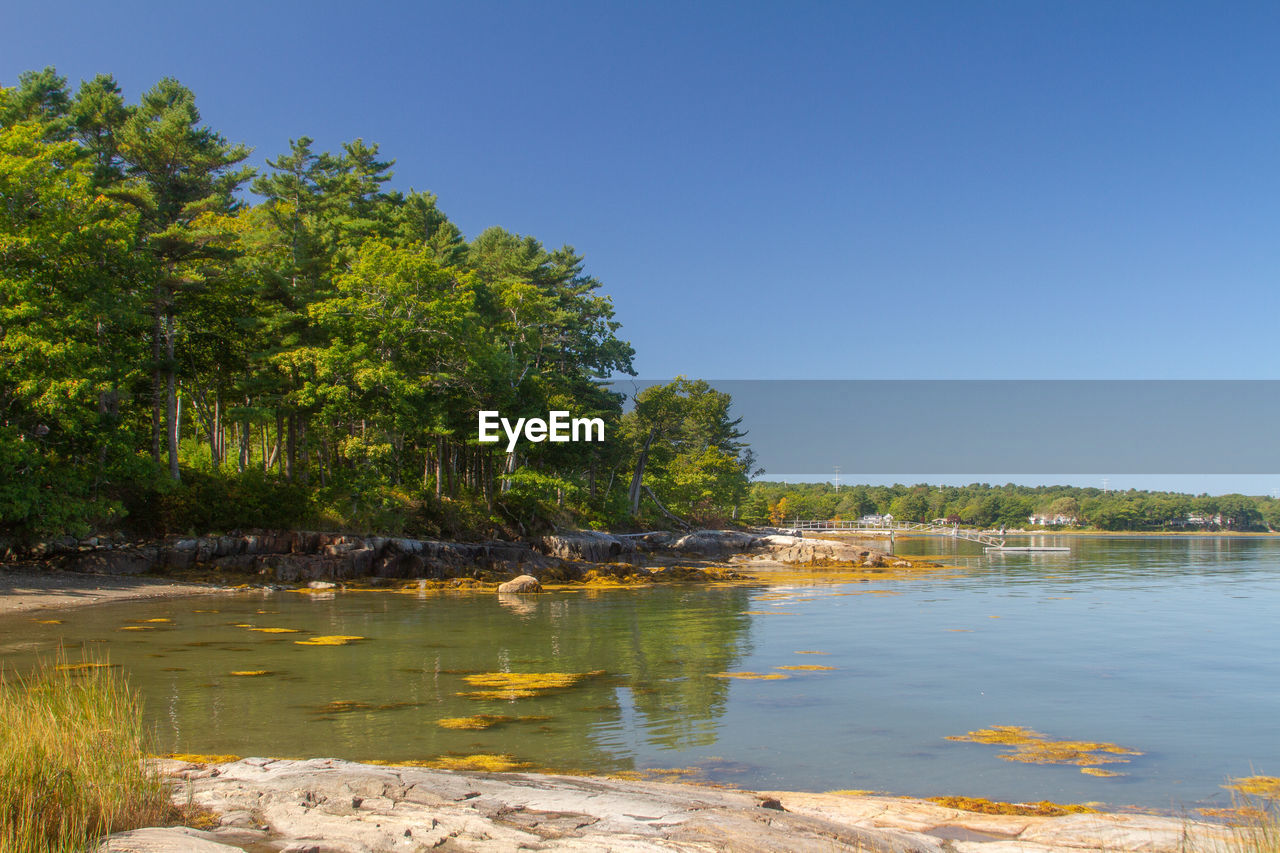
[[524, 583]]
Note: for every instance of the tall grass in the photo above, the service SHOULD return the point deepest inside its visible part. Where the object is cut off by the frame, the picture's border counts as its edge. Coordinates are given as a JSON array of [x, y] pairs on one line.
[[1252, 826], [1258, 831], [72, 760]]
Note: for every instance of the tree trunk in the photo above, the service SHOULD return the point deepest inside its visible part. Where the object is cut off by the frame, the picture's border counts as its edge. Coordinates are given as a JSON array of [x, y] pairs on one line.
[[634, 494], [279, 439], [679, 521], [171, 398], [157, 373], [291, 445], [306, 451], [439, 465]]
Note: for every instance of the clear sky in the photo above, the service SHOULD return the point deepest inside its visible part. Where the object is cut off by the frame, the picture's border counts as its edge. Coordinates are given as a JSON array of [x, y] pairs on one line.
[[781, 190]]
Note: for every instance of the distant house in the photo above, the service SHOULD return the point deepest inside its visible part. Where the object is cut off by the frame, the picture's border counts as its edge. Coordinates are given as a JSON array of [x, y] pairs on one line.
[[874, 520], [1046, 520]]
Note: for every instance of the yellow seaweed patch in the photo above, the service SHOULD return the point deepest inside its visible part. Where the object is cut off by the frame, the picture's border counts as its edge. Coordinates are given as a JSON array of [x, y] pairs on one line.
[[751, 676], [345, 706], [522, 685], [84, 667], [1098, 771], [333, 640], [341, 706], [48, 621], [206, 611], [1258, 786], [768, 613], [806, 667], [475, 722], [277, 630], [200, 758], [481, 761], [1237, 816], [1032, 747], [161, 619], [137, 628], [1044, 808], [811, 652], [252, 672]]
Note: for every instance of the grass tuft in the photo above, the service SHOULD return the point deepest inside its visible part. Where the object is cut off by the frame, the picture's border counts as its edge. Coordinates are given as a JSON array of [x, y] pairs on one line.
[[72, 766]]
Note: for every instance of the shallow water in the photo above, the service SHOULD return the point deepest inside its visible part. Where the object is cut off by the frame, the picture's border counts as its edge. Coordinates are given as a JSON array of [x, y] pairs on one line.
[[1163, 645]]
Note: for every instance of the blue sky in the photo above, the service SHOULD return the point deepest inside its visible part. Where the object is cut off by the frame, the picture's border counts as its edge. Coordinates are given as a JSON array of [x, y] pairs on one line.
[[815, 190]]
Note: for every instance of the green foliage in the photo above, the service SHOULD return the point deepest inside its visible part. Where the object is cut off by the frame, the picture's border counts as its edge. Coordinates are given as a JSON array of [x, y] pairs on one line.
[[220, 501], [688, 450], [983, 505], [319, 356]]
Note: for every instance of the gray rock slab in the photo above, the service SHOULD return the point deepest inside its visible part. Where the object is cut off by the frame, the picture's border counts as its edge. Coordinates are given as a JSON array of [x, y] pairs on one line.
[[176, 839]]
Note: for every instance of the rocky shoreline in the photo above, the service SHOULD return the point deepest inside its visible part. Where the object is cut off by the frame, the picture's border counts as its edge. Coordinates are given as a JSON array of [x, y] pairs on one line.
[[301, 556], [330, 806]]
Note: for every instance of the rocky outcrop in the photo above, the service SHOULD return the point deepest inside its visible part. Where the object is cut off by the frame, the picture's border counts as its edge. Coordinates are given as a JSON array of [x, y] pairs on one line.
[[304, 556], [782, 548], [587, 545], [716, 543], [330, 806], [795, 550]]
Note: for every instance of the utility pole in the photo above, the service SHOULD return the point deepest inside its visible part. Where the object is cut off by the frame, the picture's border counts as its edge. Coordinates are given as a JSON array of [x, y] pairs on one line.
[[837, 479]]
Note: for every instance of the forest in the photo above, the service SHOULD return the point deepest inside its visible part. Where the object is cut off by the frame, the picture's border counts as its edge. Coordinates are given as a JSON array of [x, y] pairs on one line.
[[984, 505], [190, 344]]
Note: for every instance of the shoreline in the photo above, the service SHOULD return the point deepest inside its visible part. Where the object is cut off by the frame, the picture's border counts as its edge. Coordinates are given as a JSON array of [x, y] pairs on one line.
[[25, 591], [257, 803], [118, 572]]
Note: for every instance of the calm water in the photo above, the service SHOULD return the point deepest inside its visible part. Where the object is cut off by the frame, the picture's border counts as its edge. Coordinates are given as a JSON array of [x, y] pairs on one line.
[[1168, 646]]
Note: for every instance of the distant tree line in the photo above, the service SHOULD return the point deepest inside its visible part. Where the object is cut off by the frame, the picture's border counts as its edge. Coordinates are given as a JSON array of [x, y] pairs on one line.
[[983, 505], [176, 356]]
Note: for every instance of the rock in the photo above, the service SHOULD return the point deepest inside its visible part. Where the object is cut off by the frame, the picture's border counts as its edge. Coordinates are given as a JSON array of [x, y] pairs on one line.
[[524, 583], [589, 545], [715, 543], [174, 839], [320, 585], [314, 802], [333, 806]]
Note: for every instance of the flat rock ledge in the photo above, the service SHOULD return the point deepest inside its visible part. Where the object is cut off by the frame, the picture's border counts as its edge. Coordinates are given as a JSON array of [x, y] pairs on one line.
[[331, 806]]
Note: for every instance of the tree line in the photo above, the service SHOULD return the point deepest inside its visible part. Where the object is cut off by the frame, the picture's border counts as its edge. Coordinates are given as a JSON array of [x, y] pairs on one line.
[[983, 505], [189, 343]]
